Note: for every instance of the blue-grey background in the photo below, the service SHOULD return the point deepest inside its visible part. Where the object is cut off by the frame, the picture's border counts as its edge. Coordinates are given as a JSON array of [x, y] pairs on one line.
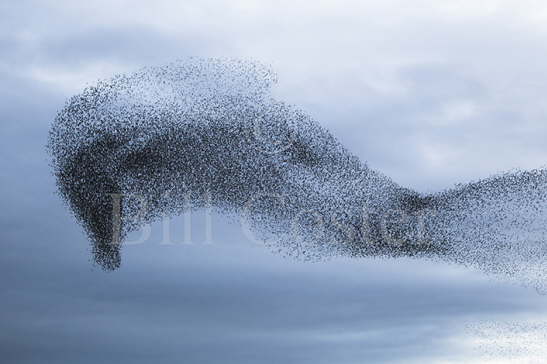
[[430, 93]]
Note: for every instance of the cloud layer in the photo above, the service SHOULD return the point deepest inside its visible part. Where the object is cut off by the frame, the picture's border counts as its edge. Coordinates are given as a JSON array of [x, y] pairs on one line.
[[430, 94]]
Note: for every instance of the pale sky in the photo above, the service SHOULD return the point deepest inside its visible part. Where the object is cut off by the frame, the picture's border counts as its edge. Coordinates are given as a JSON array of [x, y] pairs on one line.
[[430, 93]]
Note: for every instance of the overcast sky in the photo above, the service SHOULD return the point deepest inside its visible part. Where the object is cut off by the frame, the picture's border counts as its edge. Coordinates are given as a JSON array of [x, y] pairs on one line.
[[430, 93]]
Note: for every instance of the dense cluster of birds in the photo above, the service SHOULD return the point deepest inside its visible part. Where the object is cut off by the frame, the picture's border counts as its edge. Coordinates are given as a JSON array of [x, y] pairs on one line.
[[166, 139]]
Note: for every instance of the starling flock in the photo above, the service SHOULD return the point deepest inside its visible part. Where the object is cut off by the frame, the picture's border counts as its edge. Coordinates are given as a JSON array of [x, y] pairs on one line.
[[138, 147]]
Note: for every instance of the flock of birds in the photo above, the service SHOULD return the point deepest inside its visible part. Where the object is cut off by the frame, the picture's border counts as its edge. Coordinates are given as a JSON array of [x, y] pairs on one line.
[[204, 131]]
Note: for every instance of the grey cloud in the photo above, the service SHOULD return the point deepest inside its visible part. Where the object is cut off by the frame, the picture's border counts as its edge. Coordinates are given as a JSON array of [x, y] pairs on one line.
[[234, 302]]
